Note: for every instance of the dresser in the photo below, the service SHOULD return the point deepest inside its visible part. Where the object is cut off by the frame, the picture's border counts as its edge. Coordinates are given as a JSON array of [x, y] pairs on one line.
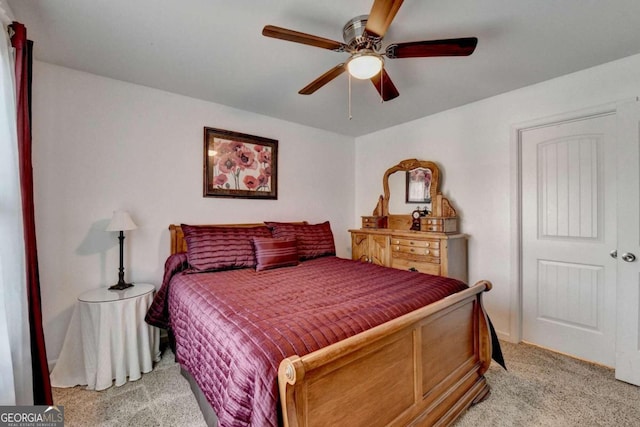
[[427, 241], [427, 252]]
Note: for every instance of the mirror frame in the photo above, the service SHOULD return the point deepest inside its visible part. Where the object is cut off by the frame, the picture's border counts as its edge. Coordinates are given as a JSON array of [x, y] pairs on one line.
[[407, 166]]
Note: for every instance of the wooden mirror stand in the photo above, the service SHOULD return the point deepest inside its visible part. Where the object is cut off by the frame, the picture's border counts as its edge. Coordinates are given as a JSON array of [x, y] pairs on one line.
[[441, 217]]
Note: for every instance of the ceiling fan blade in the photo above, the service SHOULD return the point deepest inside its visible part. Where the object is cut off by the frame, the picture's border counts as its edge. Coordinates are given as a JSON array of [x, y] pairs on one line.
[[381, 15], [323, 79], [424, 49], [387, 89], [298, 37]]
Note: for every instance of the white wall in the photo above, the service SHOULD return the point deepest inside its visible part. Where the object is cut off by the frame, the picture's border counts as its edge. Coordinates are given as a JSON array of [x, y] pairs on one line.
[[102, 144], [472, 145]]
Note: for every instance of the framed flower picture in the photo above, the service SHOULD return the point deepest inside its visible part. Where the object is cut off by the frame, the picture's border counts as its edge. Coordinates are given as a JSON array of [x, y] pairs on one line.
[[239, 165]]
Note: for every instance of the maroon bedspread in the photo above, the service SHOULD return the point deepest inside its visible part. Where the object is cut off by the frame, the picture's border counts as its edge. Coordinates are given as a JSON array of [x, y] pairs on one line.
[[233, 328]]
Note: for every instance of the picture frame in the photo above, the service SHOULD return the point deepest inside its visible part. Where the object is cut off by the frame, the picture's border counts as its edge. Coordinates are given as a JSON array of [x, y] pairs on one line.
[[419, 185], [239, 165]]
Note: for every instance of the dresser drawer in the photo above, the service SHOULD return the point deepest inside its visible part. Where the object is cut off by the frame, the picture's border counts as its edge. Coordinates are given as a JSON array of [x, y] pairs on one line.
[[438, 228], [416, 250], [439, 225], [422, 267], [399, 241], [412, 256], [374, 222]]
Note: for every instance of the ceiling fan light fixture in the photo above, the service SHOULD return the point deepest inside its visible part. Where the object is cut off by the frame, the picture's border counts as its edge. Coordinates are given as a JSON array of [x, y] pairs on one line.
[[364, 65]]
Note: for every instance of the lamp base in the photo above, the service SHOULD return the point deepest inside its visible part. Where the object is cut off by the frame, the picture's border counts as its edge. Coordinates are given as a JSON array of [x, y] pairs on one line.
[[120, 286]]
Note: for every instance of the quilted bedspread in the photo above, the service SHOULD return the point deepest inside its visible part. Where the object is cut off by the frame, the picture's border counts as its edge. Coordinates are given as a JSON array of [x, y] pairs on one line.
[[233, 328]]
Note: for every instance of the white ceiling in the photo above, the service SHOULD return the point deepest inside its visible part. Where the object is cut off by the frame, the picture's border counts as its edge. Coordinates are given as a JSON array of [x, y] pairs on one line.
[[213, 50]]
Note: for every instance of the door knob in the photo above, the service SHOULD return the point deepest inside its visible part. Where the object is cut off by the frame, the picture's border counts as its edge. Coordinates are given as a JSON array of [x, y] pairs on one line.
[[614, 253], [628, 257]]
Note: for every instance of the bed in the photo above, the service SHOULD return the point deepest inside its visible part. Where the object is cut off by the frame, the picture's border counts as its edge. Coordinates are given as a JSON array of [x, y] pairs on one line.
[[322, 341]]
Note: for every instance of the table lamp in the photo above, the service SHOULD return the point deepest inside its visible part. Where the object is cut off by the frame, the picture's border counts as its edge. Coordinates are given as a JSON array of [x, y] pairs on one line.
[[121, 222]]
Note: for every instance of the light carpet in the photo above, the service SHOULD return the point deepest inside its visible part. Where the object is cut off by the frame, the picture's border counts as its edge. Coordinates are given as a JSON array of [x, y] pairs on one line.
[[541, 388]]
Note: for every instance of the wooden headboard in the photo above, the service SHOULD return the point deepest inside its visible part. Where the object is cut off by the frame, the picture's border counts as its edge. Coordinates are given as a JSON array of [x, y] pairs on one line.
[[179, 243]]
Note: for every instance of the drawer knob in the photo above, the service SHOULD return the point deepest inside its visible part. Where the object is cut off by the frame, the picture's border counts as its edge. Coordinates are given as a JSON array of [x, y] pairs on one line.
[[427, 245]]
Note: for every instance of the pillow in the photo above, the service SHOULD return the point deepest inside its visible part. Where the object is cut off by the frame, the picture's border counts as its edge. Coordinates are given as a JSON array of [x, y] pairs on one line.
[[314, 240], [219, 248], [274, 253]]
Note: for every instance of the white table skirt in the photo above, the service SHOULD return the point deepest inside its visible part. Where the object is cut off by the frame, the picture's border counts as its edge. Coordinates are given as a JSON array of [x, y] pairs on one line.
[[106, 341]]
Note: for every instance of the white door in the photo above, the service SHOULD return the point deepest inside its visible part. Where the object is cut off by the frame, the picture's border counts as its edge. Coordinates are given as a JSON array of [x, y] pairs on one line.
[[628, 321], [568, 230]]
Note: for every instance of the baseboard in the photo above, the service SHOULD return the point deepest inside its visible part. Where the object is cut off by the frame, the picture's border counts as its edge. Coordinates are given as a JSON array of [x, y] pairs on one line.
[[568, 355], [504, 336]]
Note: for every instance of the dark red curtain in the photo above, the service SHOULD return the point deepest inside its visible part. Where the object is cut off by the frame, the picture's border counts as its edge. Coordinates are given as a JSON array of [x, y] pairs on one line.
[[24, 60]]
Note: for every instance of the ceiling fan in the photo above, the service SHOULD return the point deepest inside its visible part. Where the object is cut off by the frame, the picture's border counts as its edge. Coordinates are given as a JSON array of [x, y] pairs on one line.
[[363, 39]]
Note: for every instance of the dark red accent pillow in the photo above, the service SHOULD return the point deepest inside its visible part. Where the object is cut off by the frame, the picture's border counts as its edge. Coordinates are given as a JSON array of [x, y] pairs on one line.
[[274, 253], [314, 240], [220, 248]]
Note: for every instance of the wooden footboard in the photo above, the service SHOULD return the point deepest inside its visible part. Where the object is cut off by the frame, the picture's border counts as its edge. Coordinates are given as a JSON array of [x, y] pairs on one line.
[[424, 368]]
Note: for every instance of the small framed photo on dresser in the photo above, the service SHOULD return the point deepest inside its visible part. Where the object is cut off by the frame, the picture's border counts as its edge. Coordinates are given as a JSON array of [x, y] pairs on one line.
[[239, 165]]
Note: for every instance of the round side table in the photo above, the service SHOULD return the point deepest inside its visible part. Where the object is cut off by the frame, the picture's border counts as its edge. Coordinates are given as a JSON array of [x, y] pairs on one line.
[[108, 339], [107, 295]]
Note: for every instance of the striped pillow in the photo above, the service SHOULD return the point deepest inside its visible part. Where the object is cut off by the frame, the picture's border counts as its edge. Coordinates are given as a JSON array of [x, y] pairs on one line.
[[314, 240], [219, 248], [274, 253]]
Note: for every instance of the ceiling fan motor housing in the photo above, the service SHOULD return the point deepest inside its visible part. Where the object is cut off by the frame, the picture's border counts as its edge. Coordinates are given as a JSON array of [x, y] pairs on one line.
[[356, 37]]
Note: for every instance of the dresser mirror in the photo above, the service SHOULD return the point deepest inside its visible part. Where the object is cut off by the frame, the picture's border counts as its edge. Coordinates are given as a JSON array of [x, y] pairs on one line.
[[414, 184]]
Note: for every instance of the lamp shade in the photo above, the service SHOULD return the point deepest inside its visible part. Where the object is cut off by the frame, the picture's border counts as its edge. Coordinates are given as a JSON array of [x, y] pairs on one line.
[[121, 221], [364, 65]]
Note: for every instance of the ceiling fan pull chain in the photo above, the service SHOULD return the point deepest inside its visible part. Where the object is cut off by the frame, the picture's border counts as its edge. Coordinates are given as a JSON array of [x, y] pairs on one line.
[[350, 117], [381, 87]]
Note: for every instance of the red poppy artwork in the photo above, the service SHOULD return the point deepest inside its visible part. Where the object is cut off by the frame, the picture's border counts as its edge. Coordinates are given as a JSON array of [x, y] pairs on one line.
[[239, 165]]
